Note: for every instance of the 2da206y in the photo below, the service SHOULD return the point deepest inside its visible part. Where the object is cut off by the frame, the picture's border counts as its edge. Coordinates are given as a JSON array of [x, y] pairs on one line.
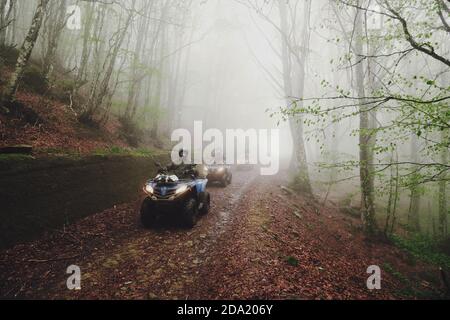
[[254, 310], [226, 310]]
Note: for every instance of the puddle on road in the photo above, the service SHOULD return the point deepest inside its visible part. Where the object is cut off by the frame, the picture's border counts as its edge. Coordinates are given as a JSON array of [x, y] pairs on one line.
[[225, 216], [235, 198]]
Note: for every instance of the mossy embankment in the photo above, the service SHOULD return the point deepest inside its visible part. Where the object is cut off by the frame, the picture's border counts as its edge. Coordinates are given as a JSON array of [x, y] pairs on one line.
[[40, 195]]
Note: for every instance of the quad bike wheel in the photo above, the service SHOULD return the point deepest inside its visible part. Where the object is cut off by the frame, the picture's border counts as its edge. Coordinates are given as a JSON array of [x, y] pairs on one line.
[[224, 182], [205, 203], [148, 218], [190, 213]]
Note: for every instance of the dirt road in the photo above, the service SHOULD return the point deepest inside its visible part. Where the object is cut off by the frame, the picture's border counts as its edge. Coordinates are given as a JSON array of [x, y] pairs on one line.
[[258, 242], [119, 258]]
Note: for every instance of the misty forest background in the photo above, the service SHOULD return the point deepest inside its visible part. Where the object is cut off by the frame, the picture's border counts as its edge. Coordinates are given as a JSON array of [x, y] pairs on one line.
[[361, 88]]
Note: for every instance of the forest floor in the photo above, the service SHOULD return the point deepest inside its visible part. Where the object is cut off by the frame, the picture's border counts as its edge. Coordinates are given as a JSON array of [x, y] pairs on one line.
[[50, 123], [258, 242], [55, 129]]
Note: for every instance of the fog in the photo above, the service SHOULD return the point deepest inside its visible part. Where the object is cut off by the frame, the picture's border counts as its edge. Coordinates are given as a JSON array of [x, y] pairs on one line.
[[358, 89], [227, 89]]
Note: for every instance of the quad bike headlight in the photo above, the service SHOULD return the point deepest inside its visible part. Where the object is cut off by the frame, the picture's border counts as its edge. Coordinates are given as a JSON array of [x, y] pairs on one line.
[[181, 190], [148, 189], [221, 170]]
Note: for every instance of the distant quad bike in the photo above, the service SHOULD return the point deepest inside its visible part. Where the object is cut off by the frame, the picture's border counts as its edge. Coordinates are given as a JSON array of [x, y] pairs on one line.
[[170, 197], [221, 174]]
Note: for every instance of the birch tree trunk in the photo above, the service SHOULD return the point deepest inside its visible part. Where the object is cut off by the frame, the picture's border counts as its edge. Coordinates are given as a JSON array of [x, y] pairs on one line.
[[25, 53]]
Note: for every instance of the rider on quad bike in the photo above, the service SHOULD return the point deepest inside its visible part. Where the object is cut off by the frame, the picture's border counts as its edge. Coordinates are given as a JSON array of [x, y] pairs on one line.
[[179, 192], [218, 171], [183, 169]]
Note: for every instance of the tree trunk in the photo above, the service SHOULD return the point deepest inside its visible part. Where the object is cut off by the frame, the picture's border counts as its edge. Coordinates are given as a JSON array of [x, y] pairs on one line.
[[184, 82], [133, 93], [300, 163], [87, 28], [97, 98], [443, 209], [414, 207], [25, 53], [159, 86], [13, 29], [57, 24], [365, 139], [4, 20], [174, 84]]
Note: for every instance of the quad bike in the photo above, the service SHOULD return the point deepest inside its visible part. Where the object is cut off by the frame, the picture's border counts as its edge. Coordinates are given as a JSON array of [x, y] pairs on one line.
[[221, 174], [183, 200]]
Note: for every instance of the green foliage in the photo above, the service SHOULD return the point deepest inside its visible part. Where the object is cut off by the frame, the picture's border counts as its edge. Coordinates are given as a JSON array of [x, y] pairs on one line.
[[14, 157], [67, 85], [423, 248], [55, 151], [292, 261], [142, 152], [390, 269], [120, 151], [408, 96], [62, 88], [114, 150]]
